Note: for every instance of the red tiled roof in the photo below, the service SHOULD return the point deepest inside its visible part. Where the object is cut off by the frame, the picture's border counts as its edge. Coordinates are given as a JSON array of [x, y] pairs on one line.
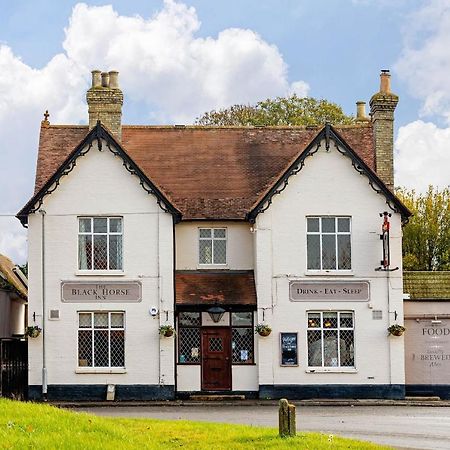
[[210, 288], [207, 172]]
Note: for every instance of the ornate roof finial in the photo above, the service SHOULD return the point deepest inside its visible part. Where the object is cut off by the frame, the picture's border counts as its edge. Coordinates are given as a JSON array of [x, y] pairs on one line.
[[45, 123]]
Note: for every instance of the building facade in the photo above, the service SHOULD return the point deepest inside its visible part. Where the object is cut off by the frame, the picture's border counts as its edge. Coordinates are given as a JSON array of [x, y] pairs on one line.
[[215, 232]]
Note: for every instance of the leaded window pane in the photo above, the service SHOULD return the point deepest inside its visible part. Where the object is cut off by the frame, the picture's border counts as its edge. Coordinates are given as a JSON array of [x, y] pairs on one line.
[[344, 251], [344, 224], [330, 348], [205, 232], [347, 348], [346, 320], [100, 225], [328, 225], [117, 339], [189, 345], [242, 345], [328, 252], [85, 252], [330, 320], [241, 318], [117, 320], [314, 348], [101, 320], [115, 225], [312, 224], [115, 252], [85, 348], [314, 320], [219, 233], [85, 225], [85, 320], [100, 252], [313, 251], [205, 252], [220, 251], [190, 319], [101, 348]]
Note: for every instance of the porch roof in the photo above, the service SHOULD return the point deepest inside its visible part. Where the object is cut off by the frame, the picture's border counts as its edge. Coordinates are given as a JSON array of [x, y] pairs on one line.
[[208, 288]]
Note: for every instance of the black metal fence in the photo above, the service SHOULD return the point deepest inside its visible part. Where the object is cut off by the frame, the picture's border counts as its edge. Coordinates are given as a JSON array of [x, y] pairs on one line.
[[13, 368]]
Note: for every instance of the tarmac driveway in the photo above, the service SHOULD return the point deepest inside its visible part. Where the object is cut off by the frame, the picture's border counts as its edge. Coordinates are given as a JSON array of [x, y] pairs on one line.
[[412, 427]]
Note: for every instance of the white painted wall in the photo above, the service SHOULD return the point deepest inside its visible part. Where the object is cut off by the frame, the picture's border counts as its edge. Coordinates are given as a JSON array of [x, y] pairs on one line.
[[239, 245], [100, 185], [328, 185]]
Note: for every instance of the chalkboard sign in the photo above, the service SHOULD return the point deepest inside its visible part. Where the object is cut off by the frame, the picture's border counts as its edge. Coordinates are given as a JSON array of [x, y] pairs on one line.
[[289, 349]]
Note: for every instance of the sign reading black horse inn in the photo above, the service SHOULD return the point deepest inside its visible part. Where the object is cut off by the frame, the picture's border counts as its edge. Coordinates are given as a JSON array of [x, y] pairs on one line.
[[329, 290], [118, 291]]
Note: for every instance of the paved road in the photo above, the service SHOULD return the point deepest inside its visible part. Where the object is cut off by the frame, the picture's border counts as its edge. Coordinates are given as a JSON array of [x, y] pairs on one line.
[[398, 426]]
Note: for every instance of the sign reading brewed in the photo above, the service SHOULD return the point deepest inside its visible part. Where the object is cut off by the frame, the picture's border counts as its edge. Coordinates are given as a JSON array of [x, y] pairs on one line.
[[427, 351], [303, 291], [119, 291]]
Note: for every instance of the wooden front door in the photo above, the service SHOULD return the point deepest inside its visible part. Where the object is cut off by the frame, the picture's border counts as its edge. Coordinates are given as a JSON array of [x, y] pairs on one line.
[[216, 359]]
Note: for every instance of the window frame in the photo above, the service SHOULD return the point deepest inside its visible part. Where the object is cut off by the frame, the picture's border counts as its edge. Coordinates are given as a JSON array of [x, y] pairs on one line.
[[212, 239], [336, 233], [93, 368], [323, 368], [252, 327], [108, 233], [199, 327]]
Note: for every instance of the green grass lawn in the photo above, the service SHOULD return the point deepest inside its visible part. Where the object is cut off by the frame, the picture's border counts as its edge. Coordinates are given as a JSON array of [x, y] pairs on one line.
[[30, 425]]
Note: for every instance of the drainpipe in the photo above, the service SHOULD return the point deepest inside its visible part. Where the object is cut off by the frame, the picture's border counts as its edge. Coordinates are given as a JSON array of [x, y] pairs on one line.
[[44, 364]]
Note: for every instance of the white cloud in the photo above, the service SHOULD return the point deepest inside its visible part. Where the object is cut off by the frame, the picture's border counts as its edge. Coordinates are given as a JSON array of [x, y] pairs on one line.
[[422, 156], [425, 61], [13, 240], [163, 66]]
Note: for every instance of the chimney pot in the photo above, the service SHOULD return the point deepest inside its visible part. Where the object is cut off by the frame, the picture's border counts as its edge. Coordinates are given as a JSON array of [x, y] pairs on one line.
[[385, 82], [361, 111], [114, 79], [105, 79], [96, 78]]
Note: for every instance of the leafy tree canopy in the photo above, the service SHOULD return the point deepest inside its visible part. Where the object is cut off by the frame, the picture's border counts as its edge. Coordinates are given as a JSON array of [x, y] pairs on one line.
[[426, 238], [292, 110]]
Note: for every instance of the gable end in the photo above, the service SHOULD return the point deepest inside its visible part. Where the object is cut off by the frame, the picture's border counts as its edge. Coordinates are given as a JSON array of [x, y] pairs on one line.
[[329, 133], [99, 134]]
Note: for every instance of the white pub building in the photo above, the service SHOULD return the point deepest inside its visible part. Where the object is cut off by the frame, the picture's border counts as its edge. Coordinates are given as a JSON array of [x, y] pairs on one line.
[[221, 234]]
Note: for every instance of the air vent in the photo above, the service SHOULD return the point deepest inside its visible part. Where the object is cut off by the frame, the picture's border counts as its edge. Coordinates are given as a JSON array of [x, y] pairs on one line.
[[377, 314], [53, 314]]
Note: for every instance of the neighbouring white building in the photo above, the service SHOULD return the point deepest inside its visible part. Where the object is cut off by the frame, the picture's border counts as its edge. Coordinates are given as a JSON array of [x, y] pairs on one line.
[[215, 230]]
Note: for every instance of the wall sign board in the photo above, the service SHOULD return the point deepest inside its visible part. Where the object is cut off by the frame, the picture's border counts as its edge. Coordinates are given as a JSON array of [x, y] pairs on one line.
[[289, 351], [305, 291], [103, 292]]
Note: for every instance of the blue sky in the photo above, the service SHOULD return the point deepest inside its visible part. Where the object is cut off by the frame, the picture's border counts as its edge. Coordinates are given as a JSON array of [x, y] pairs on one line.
[[179, 59]]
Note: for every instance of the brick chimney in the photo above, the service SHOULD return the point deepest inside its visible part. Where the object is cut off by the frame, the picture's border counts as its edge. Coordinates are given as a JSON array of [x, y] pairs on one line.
[[382, 107], [105, 100]]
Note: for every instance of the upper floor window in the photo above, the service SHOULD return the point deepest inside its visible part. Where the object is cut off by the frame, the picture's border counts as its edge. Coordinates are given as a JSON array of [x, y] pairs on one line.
[[100, 243], [212, 246], [328, 243]]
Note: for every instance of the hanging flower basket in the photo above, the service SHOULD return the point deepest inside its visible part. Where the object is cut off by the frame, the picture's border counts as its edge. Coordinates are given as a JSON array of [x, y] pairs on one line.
[[396, 329], [166, 330], [263, 330], [34, 331]]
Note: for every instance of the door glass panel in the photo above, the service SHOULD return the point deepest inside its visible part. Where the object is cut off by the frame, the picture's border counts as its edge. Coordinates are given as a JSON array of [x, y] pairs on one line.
[[215, 344]]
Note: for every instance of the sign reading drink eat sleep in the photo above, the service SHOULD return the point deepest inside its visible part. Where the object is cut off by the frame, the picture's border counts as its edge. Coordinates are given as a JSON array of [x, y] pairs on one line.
[[329, 290], [119, 291]]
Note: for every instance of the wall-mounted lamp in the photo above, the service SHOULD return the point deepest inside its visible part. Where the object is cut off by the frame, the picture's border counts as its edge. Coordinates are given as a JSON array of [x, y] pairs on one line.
[[216, 313]]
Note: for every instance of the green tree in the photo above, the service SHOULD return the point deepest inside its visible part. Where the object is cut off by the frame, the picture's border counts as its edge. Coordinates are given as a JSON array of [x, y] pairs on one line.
[[426, 238], [292, 110]]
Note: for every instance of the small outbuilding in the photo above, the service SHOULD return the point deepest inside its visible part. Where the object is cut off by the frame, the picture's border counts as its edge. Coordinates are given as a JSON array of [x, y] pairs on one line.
[[427, 336]]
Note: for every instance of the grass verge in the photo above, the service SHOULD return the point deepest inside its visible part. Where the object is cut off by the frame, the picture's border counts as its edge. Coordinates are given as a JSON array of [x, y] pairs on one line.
[[37, 426]]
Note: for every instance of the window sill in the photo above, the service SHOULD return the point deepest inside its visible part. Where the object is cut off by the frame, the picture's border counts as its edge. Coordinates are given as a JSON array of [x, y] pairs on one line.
[[100, 273], [332, 370], [100, 370], [213, 266], [327, 273]]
